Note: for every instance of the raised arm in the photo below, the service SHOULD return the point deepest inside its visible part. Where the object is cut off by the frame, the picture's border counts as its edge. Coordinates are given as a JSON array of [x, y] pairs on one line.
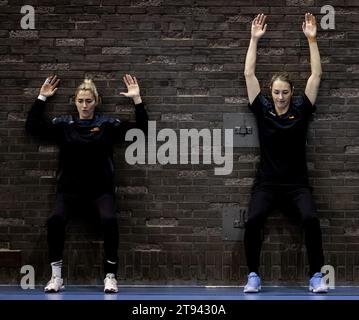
[[36, 122], [310, 30], [257, 31], [133, 92]]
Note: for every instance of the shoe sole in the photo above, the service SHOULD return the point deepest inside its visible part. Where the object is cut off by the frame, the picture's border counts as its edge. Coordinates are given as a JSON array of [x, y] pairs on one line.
[[311, 289], [253, 290], [54, 291], [110, 291]]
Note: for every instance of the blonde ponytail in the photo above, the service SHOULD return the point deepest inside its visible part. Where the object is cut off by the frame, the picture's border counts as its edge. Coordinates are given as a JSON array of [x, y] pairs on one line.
[[88, 85]]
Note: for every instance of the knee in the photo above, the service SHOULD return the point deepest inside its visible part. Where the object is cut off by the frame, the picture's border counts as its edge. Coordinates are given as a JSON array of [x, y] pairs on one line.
[[254, 223]]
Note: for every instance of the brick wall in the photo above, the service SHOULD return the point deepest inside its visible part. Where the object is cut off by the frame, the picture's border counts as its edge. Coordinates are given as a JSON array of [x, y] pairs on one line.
[[189, 59]]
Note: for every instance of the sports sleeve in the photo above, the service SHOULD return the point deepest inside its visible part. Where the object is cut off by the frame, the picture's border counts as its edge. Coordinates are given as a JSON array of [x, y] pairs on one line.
[[303, 105], [259, 104], [37, 124], [141, 122]]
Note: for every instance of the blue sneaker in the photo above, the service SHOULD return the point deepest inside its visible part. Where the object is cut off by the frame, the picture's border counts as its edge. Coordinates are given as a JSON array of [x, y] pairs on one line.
[[316, 284], [254, 283]]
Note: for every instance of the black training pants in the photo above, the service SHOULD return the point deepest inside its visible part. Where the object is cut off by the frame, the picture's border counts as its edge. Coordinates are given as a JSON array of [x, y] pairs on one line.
[[56, 224], [263, 200]]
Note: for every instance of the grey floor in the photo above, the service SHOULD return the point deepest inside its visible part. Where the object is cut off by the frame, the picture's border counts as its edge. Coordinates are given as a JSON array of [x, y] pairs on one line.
[[184, 293]]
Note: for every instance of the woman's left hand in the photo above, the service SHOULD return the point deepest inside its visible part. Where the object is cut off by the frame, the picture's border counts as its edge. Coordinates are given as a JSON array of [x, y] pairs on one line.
[[133, 89]]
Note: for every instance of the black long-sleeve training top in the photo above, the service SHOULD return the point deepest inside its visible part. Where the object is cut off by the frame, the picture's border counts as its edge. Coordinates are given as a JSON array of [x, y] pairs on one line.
[[86, 147]]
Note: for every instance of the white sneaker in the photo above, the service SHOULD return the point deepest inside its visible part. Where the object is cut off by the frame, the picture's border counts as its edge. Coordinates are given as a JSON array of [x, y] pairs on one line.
[[54, 285], [110, 283]]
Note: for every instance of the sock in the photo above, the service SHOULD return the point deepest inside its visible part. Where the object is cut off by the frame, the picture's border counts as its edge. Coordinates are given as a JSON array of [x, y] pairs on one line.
[[56, 268], [110, 267]]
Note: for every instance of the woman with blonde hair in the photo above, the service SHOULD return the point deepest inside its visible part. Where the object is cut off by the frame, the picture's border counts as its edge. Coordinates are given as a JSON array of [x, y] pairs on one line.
[[86, 168]]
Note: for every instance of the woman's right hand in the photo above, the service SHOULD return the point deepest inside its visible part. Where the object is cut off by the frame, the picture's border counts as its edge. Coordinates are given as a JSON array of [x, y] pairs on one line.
[[49, 87], [258, 26]]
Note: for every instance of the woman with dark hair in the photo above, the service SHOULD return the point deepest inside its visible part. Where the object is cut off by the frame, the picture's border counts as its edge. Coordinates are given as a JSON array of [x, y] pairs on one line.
[[86, 168], [282, 174]]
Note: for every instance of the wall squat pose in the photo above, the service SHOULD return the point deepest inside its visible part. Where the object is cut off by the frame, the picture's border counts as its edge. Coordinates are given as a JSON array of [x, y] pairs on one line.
[[86, 168], [282, 174]]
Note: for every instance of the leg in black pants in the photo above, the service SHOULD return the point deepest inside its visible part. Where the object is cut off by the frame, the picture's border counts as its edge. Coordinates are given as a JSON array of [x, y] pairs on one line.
[[259, 207], [303, 201], [107, 210], [56, 225]]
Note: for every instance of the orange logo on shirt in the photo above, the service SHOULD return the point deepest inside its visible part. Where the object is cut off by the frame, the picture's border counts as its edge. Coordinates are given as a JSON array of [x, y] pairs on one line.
[[96, 129]]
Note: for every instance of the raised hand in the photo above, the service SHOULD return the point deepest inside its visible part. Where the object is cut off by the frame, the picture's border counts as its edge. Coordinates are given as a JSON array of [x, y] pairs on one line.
[[133, 89], [258, 26], [49, 87], [309, 26]]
